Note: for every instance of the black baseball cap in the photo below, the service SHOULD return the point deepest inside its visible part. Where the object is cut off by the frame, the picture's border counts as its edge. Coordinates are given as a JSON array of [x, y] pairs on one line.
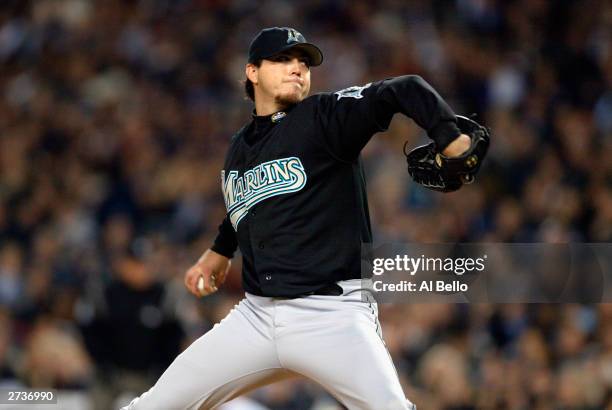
[[274, 40]]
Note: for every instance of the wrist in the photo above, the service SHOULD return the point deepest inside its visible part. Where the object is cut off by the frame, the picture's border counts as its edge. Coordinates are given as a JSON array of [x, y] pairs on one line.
[[457, 147]]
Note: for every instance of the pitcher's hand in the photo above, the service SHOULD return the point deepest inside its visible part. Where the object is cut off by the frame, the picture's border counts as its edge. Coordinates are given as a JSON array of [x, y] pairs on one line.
[[207, 274]]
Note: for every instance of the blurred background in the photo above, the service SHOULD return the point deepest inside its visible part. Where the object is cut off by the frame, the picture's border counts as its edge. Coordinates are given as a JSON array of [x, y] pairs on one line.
[[114, 121]]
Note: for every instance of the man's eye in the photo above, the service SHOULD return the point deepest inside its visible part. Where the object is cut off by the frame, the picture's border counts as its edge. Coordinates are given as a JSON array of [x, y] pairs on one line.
[[280, 58], [305, 61]]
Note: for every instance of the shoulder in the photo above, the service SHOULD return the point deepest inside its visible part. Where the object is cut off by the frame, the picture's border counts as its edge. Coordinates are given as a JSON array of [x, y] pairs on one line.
[[235, 142], [313, 101], [239, 133], [354, 92], [312, 106], [317, 103]]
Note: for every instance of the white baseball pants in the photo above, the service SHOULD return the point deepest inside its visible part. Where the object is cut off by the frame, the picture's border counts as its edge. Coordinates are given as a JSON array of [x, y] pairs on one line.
[[332, 340]]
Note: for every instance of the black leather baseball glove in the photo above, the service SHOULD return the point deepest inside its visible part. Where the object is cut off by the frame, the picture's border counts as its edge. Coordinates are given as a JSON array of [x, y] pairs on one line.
[[428, 167]]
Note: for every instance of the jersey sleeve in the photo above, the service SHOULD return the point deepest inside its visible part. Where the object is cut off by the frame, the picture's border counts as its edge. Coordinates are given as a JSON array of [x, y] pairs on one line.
[[226, 242], [351, 116]]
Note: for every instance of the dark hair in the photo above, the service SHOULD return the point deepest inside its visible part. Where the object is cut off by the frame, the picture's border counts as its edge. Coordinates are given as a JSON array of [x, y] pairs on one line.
[[248, 85]]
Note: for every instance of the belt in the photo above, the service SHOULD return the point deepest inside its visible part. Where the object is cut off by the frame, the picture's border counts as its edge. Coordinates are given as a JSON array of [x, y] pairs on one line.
[[331, 289]]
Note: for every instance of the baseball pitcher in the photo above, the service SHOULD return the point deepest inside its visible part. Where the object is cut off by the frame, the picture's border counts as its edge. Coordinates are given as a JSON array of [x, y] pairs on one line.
[[296, 203]]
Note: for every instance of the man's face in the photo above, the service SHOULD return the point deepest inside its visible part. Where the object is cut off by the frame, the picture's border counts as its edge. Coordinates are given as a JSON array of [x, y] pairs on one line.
[[284, 77]]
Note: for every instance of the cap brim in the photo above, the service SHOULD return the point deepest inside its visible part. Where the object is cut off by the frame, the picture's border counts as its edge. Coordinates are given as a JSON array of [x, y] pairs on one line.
[[313, 52]]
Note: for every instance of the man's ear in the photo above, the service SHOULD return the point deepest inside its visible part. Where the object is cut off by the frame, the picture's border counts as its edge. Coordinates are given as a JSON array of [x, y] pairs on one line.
[[251, 71]]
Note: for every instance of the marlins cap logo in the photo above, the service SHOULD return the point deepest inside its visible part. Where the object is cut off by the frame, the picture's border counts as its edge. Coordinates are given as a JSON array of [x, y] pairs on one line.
[[292, 36]]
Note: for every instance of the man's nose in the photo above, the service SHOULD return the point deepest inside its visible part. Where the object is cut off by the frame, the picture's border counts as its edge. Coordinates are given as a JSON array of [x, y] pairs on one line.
[[295, 66]]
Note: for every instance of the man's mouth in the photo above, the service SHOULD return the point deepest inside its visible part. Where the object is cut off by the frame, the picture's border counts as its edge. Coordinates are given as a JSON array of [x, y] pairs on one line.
[[296, 81]]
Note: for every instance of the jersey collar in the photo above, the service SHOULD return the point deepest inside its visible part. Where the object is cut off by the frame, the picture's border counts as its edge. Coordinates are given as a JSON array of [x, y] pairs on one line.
[[274, 118]]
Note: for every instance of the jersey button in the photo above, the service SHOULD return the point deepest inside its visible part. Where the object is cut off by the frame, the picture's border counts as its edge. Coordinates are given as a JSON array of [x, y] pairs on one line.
[[268, 277], [253, 212], [261, 245]]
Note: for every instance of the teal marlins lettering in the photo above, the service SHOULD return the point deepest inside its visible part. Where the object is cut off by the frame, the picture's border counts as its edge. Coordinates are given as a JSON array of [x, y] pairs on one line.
[[272, 178]]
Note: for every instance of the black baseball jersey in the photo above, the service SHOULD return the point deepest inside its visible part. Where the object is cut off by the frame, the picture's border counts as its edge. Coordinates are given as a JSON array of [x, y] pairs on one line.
[[295, 189]]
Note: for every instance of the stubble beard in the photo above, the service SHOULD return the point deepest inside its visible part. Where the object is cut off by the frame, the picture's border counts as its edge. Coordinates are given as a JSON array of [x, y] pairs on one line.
[[287, 100]]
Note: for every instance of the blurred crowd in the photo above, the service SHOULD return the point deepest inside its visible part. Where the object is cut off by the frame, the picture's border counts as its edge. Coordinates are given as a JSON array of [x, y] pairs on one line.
[[114, 120]]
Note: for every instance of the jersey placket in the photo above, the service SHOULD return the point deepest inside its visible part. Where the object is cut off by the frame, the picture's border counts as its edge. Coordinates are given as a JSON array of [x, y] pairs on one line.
[[254, 224]]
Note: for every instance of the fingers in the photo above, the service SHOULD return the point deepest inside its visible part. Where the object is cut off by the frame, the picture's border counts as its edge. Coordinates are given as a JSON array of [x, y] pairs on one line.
[[206, 275], [200, 282]]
